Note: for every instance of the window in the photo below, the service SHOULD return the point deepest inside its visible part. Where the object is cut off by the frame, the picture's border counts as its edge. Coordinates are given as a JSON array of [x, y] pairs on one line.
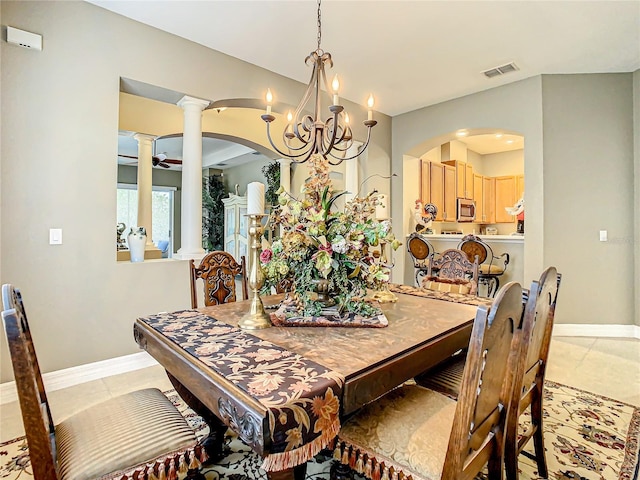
[[161, 212]]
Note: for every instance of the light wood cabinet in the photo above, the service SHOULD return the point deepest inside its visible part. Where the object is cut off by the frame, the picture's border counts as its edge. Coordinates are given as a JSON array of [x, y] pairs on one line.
[[425, 181], [505, 197], [450, 204], [478, 197], [235, 226], [464, 178], [436, 188], [489, 199], [519, 186]]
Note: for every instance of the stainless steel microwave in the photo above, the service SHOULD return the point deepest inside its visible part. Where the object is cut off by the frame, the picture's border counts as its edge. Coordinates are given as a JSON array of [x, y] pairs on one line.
[[466, 210]]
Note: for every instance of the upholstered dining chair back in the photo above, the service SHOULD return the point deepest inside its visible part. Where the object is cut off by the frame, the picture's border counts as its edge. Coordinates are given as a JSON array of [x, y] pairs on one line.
[[420, 250], [451, 271], [530, 368], [414, 431], [490, 266], [122, 433], [533, 352], [218, 271]]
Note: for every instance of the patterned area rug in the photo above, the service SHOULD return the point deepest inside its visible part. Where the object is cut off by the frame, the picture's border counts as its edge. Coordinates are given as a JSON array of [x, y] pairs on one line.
[[588, 437]]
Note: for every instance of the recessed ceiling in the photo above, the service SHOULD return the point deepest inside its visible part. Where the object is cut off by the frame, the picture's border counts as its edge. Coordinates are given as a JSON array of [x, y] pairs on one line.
[[493, 143], [216, 153], [410, 54]]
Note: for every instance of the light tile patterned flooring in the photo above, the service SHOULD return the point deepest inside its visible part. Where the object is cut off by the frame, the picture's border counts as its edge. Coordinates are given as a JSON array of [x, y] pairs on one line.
[[607, 366]]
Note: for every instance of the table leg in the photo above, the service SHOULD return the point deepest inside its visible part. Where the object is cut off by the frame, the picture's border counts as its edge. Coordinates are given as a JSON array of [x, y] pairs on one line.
[[214, 442], [295, 473]]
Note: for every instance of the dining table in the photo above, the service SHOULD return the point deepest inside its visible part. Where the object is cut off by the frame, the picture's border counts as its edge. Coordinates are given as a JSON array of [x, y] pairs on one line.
[[285, 389]]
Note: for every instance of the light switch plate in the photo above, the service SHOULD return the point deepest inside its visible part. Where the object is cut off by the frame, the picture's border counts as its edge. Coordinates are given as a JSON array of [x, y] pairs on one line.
[[603, 235], [55, 236]]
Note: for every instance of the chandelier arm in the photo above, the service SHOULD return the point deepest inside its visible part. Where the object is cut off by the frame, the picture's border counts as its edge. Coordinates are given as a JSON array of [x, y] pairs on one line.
[[287, 155], [360, 150]]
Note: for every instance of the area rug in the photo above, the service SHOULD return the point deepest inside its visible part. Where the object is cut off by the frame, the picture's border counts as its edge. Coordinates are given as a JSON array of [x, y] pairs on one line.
[[587, 436]]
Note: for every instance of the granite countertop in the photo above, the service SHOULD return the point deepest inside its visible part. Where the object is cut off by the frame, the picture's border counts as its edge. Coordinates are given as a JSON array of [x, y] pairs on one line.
[[486, 238]]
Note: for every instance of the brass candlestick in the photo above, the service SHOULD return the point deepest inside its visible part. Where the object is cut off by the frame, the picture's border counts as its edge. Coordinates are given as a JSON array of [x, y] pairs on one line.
[[383, 294], [256, 318]]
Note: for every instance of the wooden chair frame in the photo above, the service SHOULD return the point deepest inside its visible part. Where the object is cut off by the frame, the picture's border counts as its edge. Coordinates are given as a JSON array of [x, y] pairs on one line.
[[38, 422], [421, 251], [452, 264], [474, 246], [218, 271], [531, 368], [477, 435], [537, 326]]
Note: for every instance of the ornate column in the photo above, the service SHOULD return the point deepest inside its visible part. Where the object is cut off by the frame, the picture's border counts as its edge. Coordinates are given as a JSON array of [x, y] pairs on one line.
[[145, 185], [285, 173], [191, 224]]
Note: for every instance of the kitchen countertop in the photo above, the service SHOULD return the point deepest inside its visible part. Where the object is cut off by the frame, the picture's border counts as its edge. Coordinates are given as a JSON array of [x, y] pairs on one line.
[[486, 238]]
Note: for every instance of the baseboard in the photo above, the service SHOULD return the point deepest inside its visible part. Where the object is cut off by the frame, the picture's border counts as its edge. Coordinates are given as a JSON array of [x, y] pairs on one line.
[[612, 331], [69, 377]]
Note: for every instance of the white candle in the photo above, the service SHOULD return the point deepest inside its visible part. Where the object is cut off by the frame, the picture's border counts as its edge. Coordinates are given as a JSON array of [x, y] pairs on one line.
[[370, 103], [269, 98], [382, 209], [336, 89], [255, 198]]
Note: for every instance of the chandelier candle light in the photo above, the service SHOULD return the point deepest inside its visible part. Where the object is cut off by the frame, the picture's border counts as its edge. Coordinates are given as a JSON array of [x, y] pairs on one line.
[[306, 135], [256, 318]]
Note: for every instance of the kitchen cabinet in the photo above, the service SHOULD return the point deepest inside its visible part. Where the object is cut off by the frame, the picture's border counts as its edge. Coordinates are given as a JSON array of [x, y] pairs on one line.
[[489, 199], [450, 204], [436, 188], [478, 197], [442, 187], [464, 178], [425, 181], [519, 186], [505, 197], [235, 226]]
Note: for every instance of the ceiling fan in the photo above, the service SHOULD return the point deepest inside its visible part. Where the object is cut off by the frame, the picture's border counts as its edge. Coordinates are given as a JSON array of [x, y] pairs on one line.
[[159, 160]]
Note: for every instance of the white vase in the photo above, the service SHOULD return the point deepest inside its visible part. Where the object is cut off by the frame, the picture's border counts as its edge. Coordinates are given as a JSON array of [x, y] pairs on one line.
[[137, 240]]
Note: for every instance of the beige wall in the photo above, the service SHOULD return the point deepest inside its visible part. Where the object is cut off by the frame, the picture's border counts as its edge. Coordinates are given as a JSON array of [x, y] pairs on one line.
[[578, 165], [515, 108], [588, 165], [636, 202], [60, 117]]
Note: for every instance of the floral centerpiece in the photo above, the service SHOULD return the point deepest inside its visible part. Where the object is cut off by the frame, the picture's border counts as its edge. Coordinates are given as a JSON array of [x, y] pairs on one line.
[[318, 243]]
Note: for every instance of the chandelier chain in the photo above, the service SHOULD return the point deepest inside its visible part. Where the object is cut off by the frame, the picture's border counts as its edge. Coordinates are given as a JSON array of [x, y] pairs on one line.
[[319, 25]]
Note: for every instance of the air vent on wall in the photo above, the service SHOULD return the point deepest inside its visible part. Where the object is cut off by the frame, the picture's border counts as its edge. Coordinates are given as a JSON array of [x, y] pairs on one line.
[[501, 70]]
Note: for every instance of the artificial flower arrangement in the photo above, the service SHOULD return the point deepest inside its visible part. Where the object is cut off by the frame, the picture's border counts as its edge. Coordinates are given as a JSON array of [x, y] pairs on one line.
[[319, 243]]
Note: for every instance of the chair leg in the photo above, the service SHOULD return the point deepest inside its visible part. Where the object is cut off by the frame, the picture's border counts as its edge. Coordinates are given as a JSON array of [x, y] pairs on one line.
[[496, 286], [538, 437]]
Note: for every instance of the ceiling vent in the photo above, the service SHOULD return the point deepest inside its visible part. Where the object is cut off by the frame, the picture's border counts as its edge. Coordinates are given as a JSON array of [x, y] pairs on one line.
[[501, 70]]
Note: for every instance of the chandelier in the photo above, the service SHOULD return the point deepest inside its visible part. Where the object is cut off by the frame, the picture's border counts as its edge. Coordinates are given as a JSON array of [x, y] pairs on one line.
[[306, 135]]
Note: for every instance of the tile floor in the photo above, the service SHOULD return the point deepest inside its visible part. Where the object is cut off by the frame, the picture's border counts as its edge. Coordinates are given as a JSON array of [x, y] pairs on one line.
[[607, 366]]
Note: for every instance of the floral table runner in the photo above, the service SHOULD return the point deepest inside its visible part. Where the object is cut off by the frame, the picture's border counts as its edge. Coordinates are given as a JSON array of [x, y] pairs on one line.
[[446, 296], [301, 396]]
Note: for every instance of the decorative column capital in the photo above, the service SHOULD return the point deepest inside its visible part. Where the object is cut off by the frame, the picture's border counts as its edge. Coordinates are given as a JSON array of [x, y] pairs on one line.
[[187, 101], [144, 138]]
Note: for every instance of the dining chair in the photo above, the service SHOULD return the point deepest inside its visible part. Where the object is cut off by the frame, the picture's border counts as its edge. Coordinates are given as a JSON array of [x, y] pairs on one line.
[[531, 367], [452, 272], [106, 439], [420, 250], [491, 267], [416, 432], [218, 271]]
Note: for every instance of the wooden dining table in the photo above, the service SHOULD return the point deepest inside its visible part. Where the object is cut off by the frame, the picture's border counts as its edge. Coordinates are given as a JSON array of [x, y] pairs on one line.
[[354, 365]]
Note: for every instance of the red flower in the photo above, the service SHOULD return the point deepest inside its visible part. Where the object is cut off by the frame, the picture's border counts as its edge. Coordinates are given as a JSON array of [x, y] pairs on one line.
[[265, 255]]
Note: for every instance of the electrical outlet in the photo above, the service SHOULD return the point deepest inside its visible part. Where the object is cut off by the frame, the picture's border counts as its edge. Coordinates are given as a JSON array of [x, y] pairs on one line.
[[603, 235]]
